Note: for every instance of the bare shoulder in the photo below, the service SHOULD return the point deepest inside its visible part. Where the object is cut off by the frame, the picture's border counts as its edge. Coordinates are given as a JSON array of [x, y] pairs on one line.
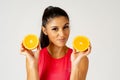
[[83, 67], [84, 62]]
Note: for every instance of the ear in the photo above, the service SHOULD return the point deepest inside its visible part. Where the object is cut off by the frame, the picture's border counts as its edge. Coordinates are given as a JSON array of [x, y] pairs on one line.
[[44, 30]]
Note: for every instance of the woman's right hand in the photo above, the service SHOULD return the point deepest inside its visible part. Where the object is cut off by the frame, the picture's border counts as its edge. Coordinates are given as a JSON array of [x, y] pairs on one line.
[[31, 56]]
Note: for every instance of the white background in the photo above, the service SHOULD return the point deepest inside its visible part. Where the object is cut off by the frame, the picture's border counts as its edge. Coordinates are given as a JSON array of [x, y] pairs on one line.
[[97, 19]]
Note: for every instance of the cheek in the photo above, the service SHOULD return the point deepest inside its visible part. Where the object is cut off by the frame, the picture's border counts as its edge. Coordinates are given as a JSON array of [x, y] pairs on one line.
[[67, 32], [51, 36]]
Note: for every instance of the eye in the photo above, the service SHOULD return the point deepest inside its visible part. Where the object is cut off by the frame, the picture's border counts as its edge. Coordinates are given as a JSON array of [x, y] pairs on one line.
[[55, 29], [65, 27]]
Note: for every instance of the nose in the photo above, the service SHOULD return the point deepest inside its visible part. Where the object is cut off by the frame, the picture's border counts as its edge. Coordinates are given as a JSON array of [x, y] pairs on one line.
[[61, 33]]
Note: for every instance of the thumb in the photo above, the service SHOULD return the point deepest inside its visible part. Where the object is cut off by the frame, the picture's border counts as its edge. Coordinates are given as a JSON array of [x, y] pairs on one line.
[[37, 51], [73, 55], [74, 51]]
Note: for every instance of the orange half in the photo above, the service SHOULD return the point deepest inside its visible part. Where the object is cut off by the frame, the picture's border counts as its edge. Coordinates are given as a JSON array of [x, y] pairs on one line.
[[30, 41], [81, 43]]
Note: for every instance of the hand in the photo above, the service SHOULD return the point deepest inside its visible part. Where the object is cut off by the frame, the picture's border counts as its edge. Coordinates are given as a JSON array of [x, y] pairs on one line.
[[77, 56], [31, 56]]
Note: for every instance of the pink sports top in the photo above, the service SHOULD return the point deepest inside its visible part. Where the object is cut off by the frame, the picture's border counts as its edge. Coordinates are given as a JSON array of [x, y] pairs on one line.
[[54, 69]]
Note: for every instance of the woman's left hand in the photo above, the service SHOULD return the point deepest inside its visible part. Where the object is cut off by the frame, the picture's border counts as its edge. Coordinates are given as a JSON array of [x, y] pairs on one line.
[[77, 56]]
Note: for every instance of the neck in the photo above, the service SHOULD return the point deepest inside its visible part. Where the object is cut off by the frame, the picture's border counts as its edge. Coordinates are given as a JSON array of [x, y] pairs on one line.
[[57, 52]]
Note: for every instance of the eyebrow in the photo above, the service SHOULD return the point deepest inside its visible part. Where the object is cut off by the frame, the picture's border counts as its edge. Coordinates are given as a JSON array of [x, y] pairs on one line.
[[67, 24], [57, 26]]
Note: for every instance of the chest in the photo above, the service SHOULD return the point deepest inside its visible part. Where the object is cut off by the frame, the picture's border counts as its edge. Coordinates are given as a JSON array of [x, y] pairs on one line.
[[51, 69]]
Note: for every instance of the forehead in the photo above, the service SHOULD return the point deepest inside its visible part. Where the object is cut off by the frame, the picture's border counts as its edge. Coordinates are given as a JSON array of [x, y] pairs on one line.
[[58, 21]]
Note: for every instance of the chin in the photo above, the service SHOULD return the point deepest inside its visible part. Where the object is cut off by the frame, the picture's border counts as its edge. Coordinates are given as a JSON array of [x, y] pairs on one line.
[[61, 45]]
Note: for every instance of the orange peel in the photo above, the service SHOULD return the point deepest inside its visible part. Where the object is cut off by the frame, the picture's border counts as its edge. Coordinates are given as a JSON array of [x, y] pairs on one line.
[[30, 41], [81, 43]]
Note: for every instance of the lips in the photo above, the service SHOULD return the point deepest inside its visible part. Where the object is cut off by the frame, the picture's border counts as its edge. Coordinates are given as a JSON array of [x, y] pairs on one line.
[[62, 40]]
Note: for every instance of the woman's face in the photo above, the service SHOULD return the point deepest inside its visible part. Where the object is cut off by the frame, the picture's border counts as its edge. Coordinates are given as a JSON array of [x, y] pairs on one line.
[[57, 30]]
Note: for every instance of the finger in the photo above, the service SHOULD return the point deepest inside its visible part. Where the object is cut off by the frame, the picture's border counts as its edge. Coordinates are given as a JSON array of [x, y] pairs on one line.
[[86, 52], [25, 51], [21, 46], [75, 51], [89, 50], [79, 57], [38, 47], [22, 49], [29, 56], [73, 54], [36, 54], [90, 47]]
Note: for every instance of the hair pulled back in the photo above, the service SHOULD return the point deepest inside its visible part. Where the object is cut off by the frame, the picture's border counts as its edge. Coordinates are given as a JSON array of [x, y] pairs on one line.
[[49, 13]]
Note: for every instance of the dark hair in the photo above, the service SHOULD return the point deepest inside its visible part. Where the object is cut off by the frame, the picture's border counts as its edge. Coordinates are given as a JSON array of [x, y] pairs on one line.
[[50, 12]]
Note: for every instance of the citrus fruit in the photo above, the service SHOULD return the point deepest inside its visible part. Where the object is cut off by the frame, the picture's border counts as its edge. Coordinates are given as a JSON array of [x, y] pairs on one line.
[[30, 41], [81, 43]]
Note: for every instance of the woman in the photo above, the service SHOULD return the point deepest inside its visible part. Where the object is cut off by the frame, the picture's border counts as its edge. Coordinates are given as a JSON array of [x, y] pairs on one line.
[[54, 60]]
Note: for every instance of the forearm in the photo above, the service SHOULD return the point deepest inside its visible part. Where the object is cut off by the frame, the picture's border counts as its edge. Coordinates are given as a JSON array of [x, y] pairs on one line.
[[74, 74], [33, 75], [32, 71]]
